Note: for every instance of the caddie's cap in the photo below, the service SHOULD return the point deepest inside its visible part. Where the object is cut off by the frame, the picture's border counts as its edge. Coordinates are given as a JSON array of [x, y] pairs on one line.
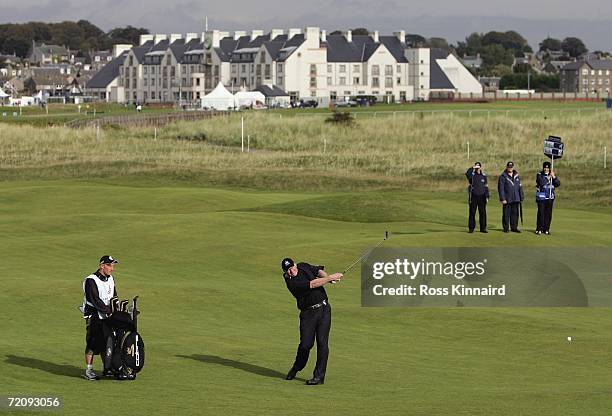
[[546, 165], [108, 260], [478, 164], [510, 164], [286, 264]]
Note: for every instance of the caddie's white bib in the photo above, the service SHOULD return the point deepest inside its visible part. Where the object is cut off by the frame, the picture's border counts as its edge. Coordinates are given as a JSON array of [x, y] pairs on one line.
[[105, 291]]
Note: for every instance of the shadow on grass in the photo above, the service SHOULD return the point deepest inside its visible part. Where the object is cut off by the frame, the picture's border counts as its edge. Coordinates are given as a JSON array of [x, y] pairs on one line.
[[53, 368], [240, 365]]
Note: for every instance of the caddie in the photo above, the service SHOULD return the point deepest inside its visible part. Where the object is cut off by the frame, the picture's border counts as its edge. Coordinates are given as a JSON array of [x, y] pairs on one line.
[[98, 290]]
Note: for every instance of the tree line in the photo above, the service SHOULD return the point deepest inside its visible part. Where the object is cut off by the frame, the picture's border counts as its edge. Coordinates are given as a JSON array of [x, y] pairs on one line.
[[82, 36]]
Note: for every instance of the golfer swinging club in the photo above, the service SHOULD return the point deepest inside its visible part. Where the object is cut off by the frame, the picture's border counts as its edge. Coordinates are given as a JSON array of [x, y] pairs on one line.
[[305, 282]]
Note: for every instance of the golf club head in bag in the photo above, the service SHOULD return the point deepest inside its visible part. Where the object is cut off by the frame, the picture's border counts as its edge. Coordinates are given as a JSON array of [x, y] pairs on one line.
[[125, 350]]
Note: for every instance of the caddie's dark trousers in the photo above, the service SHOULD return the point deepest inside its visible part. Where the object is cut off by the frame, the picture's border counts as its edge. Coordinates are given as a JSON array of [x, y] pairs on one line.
[[480, 202], [314, 323], [510, 216], [545, 209]]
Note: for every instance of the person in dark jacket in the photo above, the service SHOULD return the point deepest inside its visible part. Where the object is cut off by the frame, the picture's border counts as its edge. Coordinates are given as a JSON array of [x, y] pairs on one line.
[[305, 282], [511, 196], [478, 196], [546, 182]]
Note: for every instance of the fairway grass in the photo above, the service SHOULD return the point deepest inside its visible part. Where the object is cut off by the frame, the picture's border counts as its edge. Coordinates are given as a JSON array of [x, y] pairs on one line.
[[221, 328]]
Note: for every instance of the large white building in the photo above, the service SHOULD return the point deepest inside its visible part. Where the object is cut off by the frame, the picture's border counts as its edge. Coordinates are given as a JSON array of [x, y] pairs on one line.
[[308, 64]]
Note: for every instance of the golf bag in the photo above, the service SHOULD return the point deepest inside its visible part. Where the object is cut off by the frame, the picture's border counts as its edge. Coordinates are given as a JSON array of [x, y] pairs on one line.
[[125, 353]]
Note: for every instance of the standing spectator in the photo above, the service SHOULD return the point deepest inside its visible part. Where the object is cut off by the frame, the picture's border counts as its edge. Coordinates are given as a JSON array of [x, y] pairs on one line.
[[478, 196], [546, 182], [511, 196]]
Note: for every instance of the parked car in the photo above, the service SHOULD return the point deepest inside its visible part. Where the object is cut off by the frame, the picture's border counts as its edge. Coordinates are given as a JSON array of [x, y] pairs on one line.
[[346, 103], [364, 100], [309, 104]]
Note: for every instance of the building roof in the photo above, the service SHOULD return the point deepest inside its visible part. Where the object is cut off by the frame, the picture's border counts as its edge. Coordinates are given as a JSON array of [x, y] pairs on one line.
[[108, 73], [596, 64], [437, 78], [271, 91]]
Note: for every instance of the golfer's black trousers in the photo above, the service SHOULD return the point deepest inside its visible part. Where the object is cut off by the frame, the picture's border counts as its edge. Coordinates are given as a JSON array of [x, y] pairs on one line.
[[545, 209], [314, 324], [510, 216], [480, 202]]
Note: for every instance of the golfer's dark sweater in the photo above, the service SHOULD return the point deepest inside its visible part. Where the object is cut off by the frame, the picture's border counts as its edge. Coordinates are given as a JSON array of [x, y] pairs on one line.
[[299, 286]]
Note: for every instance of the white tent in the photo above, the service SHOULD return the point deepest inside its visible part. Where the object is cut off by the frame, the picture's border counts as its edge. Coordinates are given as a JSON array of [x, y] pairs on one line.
[[219, 99], [250, 99], [3, 94]]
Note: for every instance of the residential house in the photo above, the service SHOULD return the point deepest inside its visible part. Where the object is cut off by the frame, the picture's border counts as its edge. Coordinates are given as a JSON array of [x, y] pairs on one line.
[[591, 77], [42, 54]]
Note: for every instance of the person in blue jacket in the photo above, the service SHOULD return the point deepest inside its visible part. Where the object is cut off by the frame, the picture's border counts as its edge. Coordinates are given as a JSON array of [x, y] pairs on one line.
[[546, 182], [478, 196], [511, 196]]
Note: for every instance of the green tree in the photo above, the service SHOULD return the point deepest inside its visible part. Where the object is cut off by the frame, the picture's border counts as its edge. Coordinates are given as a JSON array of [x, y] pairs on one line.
[[128, 34], [414, 40], [550, 44], [574, 47], [438, 43], [360, 31]]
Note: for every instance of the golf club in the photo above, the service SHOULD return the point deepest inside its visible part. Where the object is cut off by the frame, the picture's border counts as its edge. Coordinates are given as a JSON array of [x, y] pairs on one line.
[[364, 255]]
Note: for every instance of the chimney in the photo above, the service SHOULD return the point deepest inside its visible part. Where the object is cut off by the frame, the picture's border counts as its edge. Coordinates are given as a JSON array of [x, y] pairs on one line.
[[401, 35], [255, 33], [119, 48], [312, 33], [349, 36], [175, 36], [276, 33], [293, 32], [376, 36], [323, 36], [238, 34], [160, 37], [145, 38], [190, 36]]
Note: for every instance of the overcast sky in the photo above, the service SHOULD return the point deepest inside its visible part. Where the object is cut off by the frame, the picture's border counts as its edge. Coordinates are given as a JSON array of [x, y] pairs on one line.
[[590, 20]]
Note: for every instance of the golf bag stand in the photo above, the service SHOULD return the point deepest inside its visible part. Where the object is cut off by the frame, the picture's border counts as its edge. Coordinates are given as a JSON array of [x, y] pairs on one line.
[[125, 352]]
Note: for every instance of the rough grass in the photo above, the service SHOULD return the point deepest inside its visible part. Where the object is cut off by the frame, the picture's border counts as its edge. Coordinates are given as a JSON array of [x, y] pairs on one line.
[[419, 151]]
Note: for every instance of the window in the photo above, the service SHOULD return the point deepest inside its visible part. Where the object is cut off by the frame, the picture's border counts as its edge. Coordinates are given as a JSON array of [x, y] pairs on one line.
[[355, 80], [172, 71], [399, 69], [165, 83], [127, 83], [592, 72], [375, 82], [388, 82], [333, 95], [145, 70], [243, 68], [165, 72], [197, 82], [342, 69], [279, 67], [233, 68], [262, 58], [399, 80], [388, 70], [342, 80], [313, 69], [355, 68], [267, 71], [375, 70], [145, 82], [313, 82], [600, 72], [216, 70], [133, 72], [348, 93], [329, 80], [279, 81], [152, 82], [329, 68]]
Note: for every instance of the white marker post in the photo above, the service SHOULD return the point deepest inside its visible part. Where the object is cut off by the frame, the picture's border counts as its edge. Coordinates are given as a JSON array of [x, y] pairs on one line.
[[468, 150], [242, 133], [248, 143]]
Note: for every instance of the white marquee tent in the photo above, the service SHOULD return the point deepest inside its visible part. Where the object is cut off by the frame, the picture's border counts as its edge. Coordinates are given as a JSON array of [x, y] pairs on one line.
[[250, 98], [219, 99]]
